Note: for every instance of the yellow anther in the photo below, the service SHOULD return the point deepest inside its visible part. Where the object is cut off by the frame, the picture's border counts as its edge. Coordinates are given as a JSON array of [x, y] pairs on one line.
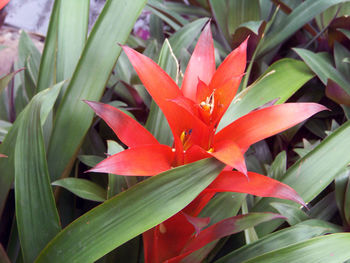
[[183, 136], [211, 150]]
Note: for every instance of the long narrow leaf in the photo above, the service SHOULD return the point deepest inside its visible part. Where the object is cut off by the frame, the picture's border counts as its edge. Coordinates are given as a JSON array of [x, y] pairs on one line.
[[36, 213], [47, 69], [72, 32], [130, 213], [48, 98], [282, 238], [333, 248], [88, 82]]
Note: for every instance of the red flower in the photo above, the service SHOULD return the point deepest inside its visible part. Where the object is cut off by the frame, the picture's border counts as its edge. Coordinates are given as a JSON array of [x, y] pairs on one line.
[[193, 113]]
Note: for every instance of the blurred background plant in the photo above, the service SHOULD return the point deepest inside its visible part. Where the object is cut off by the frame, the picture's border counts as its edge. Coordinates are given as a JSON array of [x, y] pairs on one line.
[[298, 51]]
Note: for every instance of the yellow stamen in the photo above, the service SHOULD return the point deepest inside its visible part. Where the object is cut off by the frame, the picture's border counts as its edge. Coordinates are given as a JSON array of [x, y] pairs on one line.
[[211, 150], [183, 136]]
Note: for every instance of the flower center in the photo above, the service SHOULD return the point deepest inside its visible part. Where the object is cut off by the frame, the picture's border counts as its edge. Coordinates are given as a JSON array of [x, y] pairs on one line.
[[208, 104]]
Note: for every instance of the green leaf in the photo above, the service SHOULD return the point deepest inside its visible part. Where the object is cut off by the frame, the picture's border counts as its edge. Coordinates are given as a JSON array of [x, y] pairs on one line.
[[83, 188], [324, 209], [184, 9], [47, 98], [130, 213], [240, 12], [345, 32], [72, 33], [280, 81], [36, 213], [185, 36], [341, 185], [291, 235], [293, 214], [101, 51], [332, 248], [323, 68], [301, 15], [173, 19], [5, 80], [307, 175], [4, 128], [341, 53], [47, 69], [253, 26], [278, 166], [28, 57], [90, 160]]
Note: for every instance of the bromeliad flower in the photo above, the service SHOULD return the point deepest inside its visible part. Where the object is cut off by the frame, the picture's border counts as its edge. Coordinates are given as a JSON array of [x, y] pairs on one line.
[[193, 113]]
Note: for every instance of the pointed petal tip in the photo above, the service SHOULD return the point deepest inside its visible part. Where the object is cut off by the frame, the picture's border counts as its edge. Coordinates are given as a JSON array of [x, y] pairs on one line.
[[92, 104]]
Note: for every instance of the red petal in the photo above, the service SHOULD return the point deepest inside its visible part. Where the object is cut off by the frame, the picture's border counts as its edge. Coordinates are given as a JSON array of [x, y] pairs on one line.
[[198, 222], [157, 82], [224, 95], [195, 153], [229, 153], [219, 230], [167, 239], [256, 184], [233, 66], [203, 91], [144, 160], [129, 131], [187, 104], [201, 65], [225, 151], [3, 155], [260, 124]]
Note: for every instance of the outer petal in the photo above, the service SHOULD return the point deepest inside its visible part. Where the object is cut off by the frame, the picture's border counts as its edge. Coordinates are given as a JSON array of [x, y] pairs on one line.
[[260, 124], [201, 65], [233, 66], [229, 153], [256, 184], [167, 239], [219, 230], [145, 160], [225, 151], [126, 128], [159, 84]]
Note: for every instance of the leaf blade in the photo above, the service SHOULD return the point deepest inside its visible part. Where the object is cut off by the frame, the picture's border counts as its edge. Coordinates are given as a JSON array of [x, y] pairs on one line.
[[118, 219]]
